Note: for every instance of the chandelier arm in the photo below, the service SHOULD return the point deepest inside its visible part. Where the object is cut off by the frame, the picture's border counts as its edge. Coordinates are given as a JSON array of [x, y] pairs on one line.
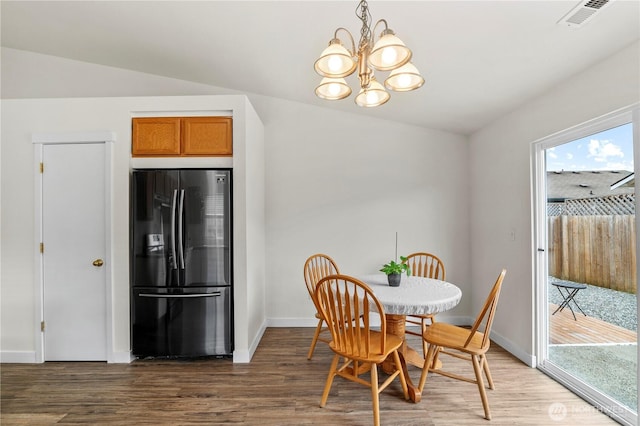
[[353, 43], [373, 33]]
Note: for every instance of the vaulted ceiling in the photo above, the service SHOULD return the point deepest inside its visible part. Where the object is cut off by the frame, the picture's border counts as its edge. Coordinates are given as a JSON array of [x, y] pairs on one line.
[[480, 59]]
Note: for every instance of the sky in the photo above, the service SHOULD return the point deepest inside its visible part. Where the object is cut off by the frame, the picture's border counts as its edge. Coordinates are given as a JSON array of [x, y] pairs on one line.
[[608, 150]]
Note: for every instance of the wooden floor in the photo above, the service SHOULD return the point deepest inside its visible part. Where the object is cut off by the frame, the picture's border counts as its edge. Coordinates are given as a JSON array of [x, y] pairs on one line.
[[564, 329], [279, 387]]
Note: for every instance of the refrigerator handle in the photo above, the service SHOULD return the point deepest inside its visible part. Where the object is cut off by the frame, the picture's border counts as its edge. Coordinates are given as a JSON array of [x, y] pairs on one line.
[[172, 235], [180, 296], [180, 219]]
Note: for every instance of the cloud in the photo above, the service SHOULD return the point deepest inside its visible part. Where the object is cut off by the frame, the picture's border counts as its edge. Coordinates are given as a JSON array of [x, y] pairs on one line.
[[552, 154], [569, 156], [602, 150], [628, 166]]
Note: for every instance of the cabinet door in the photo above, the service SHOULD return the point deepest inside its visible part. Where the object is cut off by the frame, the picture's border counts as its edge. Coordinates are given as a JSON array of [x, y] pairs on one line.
[[207, 136], [156, 136]]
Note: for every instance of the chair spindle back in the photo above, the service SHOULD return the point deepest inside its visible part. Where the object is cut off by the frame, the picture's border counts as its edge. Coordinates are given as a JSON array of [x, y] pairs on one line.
[[317, 267], [488, 312], [342, 298], [426, 265]]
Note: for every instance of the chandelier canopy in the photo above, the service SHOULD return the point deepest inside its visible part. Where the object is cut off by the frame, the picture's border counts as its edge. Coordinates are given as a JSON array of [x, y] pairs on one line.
[[389, 53]]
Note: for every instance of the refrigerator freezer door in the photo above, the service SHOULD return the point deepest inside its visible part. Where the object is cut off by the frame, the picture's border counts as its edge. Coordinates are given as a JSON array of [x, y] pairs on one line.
[[182, 322], [206, 224]]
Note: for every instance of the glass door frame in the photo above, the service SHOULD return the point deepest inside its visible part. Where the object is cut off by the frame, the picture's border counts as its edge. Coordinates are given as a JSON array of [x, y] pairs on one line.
[[626, 115]]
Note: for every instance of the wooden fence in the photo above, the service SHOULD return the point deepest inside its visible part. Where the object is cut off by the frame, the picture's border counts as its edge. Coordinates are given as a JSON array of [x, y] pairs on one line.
[[596, 250]]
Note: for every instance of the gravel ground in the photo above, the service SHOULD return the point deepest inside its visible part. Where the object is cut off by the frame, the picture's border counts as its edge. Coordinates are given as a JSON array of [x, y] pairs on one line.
[[612, 306], [608, 368]]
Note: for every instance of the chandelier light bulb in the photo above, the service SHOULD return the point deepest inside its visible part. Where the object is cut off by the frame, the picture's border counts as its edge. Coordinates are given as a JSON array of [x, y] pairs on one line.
[[389, 52], [389, 56], [333, 89], [404, 79], [335, 61], [372, 96]]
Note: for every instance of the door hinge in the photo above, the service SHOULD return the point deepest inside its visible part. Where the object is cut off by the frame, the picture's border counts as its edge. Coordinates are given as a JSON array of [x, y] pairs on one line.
[[41, 247], [42, 326], [41, 167]]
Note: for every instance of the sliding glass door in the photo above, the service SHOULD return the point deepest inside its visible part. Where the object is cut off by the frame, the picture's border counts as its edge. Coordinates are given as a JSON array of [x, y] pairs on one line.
[[586, 263]]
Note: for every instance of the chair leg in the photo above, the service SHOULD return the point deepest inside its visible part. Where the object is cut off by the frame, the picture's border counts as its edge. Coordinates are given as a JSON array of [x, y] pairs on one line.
[[375, 395], [403, 380], [485, 366], [477, 368], [424, 343], [315, 339], [431, 352], [327, 386]]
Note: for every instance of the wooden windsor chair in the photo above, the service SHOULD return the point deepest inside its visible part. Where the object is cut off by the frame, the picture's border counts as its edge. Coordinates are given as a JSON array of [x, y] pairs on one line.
[[468, 344], [341, 298], [429, 266], [317, 267]]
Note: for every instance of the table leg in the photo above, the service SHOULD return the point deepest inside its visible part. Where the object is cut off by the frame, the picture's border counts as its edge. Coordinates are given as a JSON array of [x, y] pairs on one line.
[[396, 326]]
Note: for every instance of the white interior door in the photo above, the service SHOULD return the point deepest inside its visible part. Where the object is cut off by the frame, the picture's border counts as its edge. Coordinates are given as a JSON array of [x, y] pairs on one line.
[[73, 229]]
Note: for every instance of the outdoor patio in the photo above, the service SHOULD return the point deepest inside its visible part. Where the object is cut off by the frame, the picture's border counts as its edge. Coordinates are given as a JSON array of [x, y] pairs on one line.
[[584, 329], [601, 347]]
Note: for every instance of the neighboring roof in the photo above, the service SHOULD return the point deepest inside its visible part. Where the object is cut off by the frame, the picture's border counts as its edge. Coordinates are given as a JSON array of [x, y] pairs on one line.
[[626, 182], [563, 185]]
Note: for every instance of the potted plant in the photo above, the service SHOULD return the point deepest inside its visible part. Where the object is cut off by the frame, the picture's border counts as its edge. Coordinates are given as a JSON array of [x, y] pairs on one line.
[[394, 270]]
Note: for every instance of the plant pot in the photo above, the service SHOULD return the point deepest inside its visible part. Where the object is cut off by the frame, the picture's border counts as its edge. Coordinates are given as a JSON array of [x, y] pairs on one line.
[[394, 279]]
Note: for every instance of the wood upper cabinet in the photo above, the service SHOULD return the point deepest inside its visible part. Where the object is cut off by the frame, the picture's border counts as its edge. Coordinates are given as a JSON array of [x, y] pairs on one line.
[[182, 136], [206, 136]]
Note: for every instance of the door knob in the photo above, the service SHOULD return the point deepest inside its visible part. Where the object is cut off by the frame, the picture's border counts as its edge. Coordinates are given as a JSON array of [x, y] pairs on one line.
[[98, 262]]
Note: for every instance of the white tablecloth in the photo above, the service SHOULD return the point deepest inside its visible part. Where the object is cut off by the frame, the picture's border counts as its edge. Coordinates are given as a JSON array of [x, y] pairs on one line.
[[415, 295]]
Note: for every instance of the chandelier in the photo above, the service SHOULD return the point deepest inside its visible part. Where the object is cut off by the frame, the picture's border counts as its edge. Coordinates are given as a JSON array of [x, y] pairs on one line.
[[389, 53]]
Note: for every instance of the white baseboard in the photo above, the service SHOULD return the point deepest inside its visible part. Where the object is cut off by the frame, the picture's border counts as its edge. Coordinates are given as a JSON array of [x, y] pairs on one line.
[[244, 357], [506, 344], [18, 357], [124, 357], [292, 322], [313, 322], [29, 357], [514, 349]]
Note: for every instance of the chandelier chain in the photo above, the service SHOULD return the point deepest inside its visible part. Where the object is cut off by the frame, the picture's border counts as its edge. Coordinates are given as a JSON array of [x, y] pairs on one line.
[[365, 17]]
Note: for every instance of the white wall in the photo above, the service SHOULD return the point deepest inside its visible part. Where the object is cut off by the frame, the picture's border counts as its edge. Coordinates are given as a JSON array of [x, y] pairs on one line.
[[334, 182], [501, 185], [343, 185]]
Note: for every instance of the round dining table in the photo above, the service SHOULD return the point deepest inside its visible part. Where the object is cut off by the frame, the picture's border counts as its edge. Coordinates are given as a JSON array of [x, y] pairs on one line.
[[414, 296]]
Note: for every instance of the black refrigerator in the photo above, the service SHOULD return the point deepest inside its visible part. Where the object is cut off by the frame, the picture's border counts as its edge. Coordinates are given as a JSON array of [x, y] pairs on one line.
[[181, 263]]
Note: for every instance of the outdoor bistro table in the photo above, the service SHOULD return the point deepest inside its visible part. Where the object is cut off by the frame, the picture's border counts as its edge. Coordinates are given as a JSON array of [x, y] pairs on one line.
[[414, 296], [570, 291]]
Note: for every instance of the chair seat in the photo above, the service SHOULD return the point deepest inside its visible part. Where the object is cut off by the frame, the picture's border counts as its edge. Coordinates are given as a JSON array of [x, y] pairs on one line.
[[454, 337], [393, 343]]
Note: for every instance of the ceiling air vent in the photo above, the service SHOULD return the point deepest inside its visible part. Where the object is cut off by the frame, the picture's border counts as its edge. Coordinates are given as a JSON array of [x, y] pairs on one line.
[[583, 12]]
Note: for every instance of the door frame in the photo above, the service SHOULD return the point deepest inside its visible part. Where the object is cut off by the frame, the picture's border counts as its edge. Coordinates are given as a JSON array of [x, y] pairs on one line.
[[540, 246], [39, 140]]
